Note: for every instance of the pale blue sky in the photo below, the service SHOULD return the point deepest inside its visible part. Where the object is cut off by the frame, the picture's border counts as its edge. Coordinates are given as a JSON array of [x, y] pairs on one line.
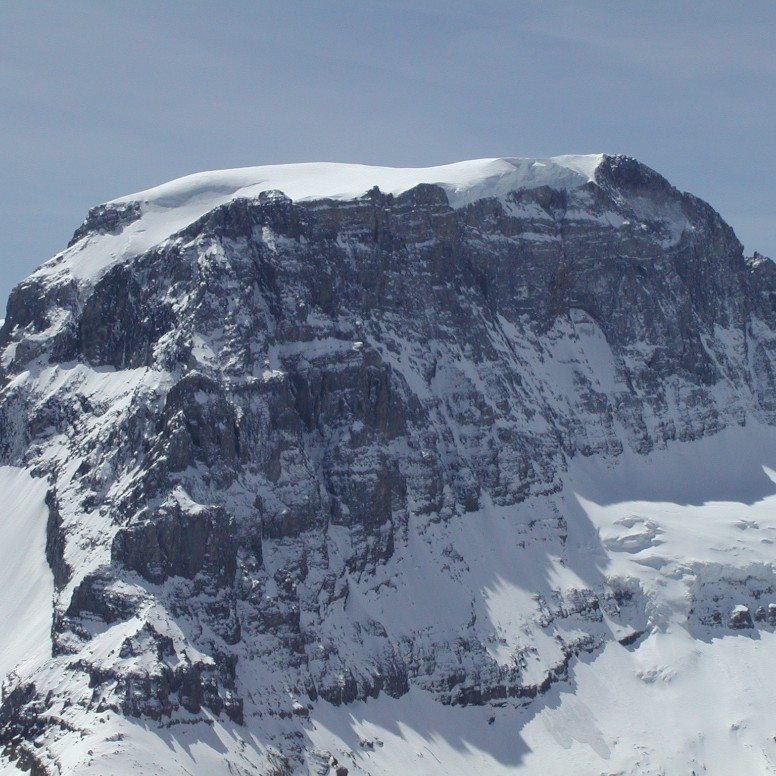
[[107, 97]]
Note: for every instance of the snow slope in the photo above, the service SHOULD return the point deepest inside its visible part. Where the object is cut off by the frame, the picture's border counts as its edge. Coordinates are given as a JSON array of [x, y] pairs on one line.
[[26, 583]]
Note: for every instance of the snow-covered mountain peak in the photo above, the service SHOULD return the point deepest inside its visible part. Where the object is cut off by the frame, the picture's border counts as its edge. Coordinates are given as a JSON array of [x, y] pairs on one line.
[[132, 224], [351, 481]]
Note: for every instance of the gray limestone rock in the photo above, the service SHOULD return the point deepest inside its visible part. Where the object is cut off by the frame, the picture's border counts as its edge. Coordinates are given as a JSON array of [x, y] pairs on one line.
[[263, 419]]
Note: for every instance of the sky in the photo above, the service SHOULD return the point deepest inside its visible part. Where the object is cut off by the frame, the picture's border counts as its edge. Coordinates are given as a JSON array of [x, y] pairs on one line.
[[103, 98]]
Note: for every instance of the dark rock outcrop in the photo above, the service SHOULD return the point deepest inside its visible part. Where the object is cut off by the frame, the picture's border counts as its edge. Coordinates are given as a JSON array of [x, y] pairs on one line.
[[266, 423]]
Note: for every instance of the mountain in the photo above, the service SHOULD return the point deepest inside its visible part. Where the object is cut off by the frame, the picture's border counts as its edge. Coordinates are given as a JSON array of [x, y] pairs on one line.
[[336, 469]]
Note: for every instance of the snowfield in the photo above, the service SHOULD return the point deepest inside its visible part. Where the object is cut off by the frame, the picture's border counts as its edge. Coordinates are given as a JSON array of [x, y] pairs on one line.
[[464, 182]]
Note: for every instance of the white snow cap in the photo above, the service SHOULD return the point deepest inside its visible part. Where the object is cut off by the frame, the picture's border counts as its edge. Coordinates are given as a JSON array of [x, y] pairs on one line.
[[464, 182], [166, 209]]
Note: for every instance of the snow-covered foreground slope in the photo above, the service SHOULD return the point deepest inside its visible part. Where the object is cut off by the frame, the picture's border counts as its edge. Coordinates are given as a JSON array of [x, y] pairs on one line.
[[474, 475], [672, 706]]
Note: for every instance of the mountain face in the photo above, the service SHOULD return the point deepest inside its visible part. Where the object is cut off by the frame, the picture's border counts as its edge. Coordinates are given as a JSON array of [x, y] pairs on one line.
[[416, 472]]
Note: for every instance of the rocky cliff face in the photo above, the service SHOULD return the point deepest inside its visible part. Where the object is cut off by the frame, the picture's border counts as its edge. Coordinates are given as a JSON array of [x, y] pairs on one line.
[[289, 446]]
